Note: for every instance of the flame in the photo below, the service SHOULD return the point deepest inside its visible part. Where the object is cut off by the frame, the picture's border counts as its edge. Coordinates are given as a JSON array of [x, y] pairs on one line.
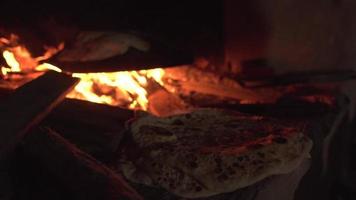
[[126, 88], [19, 59], [11, 61], [47, 66], [116, 88]]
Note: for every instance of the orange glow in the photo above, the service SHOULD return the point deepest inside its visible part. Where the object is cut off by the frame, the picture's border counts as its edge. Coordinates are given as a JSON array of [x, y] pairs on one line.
[[126, 88], [19, 59], [116, 88]]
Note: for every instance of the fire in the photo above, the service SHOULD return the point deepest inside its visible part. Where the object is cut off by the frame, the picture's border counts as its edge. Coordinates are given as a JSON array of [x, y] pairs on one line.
[[11, 61], [116, 88], [126, 88]]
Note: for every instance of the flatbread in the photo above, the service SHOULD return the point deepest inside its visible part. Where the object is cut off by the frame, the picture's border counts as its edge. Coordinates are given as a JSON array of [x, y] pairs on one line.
[[94, 46], [208, 152]]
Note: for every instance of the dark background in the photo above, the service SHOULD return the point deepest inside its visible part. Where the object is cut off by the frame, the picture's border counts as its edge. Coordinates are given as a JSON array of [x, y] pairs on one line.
[[289, 35], [193, 25]]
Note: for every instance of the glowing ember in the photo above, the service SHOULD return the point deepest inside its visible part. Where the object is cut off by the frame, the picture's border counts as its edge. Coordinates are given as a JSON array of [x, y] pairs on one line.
[[117, 88]]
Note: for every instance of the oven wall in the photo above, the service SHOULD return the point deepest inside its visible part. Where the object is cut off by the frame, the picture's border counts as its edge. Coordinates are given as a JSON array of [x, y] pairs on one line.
[[291, 35]]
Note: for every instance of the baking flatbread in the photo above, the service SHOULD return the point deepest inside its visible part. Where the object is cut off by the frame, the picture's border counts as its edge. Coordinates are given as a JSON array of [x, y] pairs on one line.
[[208, 152], [94, 46]]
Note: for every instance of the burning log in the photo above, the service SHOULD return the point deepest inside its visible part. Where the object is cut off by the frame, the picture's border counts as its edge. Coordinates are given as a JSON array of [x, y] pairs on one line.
[[194, 84], [28, 105], [162, 103], [14, 80], [83, 174]]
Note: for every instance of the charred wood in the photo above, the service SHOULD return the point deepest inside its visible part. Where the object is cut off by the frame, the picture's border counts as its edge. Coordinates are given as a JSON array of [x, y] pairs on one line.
[[95, 128], [103, 116], [28, 105], [80, 172]]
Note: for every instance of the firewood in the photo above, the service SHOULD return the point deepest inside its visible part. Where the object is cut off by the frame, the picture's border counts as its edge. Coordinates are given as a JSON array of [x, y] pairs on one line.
[[28, 105], [101, 115], [95, 128], [83, 174], [14, 80], [86, 112]]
